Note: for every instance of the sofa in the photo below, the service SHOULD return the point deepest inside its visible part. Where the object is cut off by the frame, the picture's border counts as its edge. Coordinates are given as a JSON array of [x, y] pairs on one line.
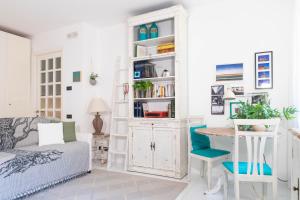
[[26, 167]]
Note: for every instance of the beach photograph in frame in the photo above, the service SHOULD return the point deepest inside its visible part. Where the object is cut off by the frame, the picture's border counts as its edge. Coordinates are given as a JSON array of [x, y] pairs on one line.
[[264, 70], [229, 72]]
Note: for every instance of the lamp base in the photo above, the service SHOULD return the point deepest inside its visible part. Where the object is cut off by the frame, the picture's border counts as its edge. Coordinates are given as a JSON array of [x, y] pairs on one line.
[[98, 124]]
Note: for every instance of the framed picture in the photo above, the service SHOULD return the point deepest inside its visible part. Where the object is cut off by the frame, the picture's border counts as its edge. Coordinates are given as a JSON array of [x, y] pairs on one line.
[[264, 70], [238, 91], [217, 102], [234, 108], [217, 105], [77, 76], [259, 98], [229, 72], [217, 90]]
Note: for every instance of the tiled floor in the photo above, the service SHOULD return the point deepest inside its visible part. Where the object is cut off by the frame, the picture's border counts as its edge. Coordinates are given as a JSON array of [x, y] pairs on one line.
[[107, 185], [195, 190]]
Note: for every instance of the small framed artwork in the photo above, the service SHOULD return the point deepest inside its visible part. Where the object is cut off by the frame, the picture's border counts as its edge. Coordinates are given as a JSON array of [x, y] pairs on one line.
[[238, 91], [77, 76], [259, 98], [234, 108], [229, 72], [217, 90], [217, 105], [264, 70]]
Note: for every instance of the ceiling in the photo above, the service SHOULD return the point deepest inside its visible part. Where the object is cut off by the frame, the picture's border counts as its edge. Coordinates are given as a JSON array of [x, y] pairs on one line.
[[29, 17]]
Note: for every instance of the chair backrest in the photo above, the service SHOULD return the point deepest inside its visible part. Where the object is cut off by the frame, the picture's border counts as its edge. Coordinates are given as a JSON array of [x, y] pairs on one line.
[[256, 142], [195, 140]]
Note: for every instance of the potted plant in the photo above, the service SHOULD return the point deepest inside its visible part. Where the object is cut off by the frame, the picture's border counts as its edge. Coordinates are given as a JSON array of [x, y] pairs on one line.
[[262, 110], [148, 86], [93, 78]]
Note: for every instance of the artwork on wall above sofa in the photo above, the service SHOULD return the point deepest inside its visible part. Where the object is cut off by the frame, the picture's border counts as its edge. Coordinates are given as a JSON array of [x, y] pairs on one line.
[[77, 76], [229, 72], [264, 70]]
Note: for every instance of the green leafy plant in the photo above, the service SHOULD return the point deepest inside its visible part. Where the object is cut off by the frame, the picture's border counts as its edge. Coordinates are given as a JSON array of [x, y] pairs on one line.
[[263, 110], [93, 76], [142, 85]]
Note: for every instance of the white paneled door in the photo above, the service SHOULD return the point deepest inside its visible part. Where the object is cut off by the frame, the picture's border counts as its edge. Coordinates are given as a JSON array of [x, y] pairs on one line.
[[50, 88], [142, 146], [164, 148]]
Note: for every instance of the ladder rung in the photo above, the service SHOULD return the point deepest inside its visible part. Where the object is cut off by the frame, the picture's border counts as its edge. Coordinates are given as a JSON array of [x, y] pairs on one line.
[[118, 135], [120, 118], [123, 69], [117, 152], [121, 102]]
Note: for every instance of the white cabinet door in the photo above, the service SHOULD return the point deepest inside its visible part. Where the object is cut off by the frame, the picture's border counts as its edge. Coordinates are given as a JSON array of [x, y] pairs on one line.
[[164, 153], [18, 73], [295, 169], [141, 147]]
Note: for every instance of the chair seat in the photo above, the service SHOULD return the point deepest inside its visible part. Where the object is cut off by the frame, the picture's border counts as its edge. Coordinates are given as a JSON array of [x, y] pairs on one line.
[[244, 165], [210, 153]]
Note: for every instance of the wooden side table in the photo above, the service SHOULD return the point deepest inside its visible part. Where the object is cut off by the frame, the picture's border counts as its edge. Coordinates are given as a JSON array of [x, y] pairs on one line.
[[100, 145]]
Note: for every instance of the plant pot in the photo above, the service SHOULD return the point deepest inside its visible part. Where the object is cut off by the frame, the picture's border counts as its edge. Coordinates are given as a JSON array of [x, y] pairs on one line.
[[149, 93], [142, 94], [93, 81]]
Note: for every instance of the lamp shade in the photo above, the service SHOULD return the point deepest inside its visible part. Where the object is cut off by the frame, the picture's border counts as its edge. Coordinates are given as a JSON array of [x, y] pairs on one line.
[[229, 95], [97, 105]]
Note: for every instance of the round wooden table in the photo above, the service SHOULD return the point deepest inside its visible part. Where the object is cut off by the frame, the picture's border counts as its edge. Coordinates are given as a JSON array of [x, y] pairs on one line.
[[228, 132]]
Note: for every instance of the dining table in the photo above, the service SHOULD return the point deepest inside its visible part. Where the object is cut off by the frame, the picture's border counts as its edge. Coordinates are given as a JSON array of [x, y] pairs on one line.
[[222, 132]]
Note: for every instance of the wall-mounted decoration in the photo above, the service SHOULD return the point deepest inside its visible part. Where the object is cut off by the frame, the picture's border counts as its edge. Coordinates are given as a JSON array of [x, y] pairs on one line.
[[217, 102], [259, 97], [229, 72], [234, 108], [77, 76], [69, 116], [93, 78], [69, 88], [238, 91], [264, 70]]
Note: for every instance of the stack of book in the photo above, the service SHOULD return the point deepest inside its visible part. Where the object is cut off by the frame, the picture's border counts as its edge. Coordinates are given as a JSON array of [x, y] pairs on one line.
[[163, 89], [138, 109]]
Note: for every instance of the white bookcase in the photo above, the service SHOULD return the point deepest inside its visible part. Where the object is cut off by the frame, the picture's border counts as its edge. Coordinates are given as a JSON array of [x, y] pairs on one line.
[[159, 145]]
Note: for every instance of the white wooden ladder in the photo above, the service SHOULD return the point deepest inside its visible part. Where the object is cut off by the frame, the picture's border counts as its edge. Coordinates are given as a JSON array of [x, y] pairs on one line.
[[118, 145]]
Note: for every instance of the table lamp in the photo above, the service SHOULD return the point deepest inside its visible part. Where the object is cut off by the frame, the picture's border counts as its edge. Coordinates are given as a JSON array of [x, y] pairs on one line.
[[96, 107]]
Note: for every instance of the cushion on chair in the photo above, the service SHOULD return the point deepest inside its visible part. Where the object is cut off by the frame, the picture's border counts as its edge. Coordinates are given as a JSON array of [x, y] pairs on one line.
[[244, 165], [210, 153], [199, 141]]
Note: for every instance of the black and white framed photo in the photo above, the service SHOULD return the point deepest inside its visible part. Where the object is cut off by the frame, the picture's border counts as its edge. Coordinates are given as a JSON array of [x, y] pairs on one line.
[[238, 90], [217, 101], [217, 90], [259, 98], [264, 70]]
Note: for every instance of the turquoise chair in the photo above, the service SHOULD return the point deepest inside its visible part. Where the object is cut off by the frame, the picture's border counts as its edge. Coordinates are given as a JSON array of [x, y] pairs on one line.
[[201, 149]]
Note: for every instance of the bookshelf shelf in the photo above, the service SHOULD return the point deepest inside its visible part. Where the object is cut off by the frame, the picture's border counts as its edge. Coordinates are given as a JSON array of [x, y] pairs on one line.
[[156, 79], [154, 99], [156, 41], [152, 57]]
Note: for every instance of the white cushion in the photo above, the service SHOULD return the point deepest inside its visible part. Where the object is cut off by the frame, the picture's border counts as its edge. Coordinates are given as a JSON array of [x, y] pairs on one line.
[[50, 133]]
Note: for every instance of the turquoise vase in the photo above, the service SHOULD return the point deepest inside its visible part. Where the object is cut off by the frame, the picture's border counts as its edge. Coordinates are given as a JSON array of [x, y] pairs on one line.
[[153, 30], [143, 32]]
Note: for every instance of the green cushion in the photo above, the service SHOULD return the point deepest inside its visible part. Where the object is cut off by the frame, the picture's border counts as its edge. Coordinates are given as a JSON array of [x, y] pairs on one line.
[[69, 131], [210, 153], [244, 165], [199, 141]]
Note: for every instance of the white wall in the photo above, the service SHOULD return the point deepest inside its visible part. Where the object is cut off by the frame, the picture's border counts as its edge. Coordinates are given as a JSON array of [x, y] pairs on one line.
[[220, 32], [231, 31], [93, 50]]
